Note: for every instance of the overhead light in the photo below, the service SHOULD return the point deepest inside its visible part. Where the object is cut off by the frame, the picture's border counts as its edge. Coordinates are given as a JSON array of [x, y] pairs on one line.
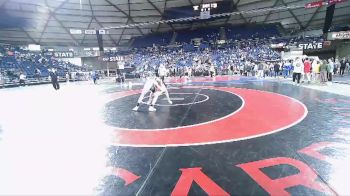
[[34, 47], [95, 49], [87, 49], [101, 31], [75, 31], [50, 50], [90, 32]]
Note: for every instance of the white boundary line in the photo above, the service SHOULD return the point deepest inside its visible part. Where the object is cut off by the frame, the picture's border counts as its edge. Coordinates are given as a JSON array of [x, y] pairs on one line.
[[230, 140], [173, 105], [173, 128]]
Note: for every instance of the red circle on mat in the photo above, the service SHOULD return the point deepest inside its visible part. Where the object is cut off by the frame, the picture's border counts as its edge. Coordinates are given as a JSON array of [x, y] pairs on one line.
[[263, 113]]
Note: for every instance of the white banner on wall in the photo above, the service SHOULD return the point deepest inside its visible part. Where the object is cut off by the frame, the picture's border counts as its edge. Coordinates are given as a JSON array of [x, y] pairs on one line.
[[90, 32], [101, 31], [76, 31], [74, 61], [113, 58], [311, 46], [339, 35], [65, 54]]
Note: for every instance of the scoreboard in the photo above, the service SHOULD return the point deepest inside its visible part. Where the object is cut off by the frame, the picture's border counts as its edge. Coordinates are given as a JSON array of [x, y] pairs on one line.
[[203, 10]]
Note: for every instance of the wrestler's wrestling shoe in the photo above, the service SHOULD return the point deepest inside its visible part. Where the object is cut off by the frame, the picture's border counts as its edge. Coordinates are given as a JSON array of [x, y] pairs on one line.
[[135, 108], [170, 102], [152, 109]]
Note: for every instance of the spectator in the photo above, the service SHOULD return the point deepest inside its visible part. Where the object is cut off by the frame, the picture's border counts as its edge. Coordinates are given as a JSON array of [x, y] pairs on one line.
[[342, 66], [255, 69], [276, 69], [271, 69], [316, 70], [212, 70], [67, 77], [266, 69], [260, 70], [54, 79], [94, 77], [330, 69], [298, 70], [286, 68], [38, 74], [162, 71], [307, 70], [22, 79], [336, 66], [323, 71]]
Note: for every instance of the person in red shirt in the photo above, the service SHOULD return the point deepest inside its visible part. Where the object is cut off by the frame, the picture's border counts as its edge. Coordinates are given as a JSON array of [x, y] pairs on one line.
[[307, 70]]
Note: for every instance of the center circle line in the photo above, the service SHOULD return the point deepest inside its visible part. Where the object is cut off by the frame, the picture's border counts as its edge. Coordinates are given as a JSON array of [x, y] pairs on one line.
[[194, 125], [181, 104]]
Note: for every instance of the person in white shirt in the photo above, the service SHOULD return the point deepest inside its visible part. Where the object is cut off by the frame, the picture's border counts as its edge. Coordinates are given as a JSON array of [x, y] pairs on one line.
[[162, 72], [298, 66], [67, 77], [22, 79], [189, 72], [336, 66], [156, 87], [212, 70]]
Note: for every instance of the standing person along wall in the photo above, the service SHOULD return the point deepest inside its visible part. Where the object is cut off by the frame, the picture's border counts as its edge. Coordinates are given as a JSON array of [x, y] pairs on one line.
[[94, 77], [54, 79], [276, 68], [212, 70], [315, 70], [260, 70], [266, 69], [298, 70], [22, 79], [307, 70], [162, 71], [330, 68], [342, 66], [323, 71], [286, 68], [336, 66]]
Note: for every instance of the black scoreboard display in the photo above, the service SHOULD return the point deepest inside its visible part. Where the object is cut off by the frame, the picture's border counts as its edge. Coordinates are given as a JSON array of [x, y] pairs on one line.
[[204, 10]]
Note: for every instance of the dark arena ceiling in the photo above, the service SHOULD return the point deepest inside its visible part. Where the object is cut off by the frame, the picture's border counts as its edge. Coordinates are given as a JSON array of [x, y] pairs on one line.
[[48, 22]]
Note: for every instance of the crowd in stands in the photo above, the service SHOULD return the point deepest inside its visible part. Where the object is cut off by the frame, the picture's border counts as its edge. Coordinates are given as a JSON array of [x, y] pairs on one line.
[[246, 51], [17, 63], [241, 54], [242, 49]]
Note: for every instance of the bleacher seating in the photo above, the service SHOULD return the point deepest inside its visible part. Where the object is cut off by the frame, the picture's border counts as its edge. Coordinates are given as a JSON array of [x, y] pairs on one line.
[[251, 31], [160, 39], [207, 34], [14, 60]]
